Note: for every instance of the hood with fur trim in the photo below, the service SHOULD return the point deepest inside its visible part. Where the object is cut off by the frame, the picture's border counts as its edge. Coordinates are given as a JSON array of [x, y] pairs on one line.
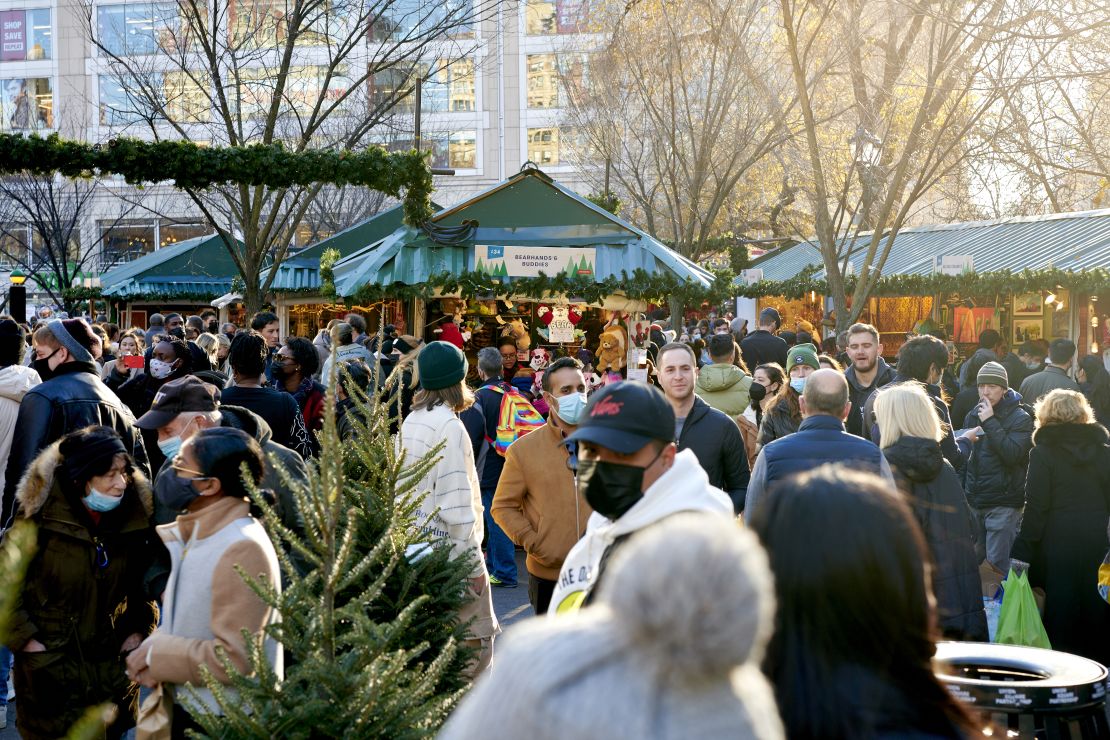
[[37, 483]]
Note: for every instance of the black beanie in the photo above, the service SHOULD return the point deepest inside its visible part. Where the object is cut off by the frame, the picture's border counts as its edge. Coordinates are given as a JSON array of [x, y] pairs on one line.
[[13, 343], [88, 453]]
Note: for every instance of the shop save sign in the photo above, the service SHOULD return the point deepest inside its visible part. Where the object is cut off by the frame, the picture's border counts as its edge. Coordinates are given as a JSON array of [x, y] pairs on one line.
[[531, 261]]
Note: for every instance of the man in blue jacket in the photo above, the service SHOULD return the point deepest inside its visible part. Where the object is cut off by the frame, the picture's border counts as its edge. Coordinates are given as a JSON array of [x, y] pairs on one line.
[[820, 439]]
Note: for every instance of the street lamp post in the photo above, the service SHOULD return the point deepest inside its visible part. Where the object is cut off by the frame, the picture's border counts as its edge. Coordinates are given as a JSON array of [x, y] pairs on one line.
[[17, 296]]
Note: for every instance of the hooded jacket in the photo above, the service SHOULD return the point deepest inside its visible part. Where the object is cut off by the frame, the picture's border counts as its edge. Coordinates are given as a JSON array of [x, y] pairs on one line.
[[716, 441], [995, 472], [80, 610], [15, 382], [685, 487], [955, 450], [859, 394], [932, 487], [73, 399], [725, 388], [345, 353]]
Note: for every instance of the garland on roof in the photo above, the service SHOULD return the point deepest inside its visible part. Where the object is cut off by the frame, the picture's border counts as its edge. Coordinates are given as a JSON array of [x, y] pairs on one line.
[[196, 167], [998, 282], [640, 285]]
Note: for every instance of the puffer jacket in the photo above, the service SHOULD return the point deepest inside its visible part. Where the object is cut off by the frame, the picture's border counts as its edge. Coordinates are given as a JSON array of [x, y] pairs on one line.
[[73, 399], [777, 423], [15, 382], [995, 472], [82, 597], [932, 487], [725, 388]]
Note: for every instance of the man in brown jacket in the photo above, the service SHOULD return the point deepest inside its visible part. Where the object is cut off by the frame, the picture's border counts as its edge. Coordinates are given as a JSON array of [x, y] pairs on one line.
[[536, 503]]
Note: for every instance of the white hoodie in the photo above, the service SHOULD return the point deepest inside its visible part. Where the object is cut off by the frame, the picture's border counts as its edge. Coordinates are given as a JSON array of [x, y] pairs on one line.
[[15, 381], [685, 487]]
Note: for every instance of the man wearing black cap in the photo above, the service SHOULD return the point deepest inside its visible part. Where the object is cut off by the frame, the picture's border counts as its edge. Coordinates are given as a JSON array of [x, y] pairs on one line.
[[762, 345], [630, 472], [71, 397]]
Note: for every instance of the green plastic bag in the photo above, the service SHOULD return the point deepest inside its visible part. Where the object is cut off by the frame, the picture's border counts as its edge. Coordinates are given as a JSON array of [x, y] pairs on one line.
[[1019, 623]]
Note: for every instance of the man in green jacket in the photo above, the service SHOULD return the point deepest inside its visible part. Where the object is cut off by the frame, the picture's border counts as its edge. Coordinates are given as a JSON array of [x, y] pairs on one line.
[[723, 385]]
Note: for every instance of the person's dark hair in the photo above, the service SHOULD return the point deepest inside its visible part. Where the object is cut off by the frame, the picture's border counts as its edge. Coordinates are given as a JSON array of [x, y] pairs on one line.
[[1031, 348], [940, 333], [343, 334], [738, 357], [1061, 351], [785, 395], [260, 320], [80, 451], [304, 352], [195, 322], [13, 343], [356, 374], [974, 365], [718, 323], [989, 339], [1098, 384], [181, 351], [833, 363], [918, 354], [357, 322], [803, 337], [247, 355], [774, 372], [789, 337], [721, 347], [221, 452], [833, 678], [828, 346], [112, 330], [560, 364], [171, 316]]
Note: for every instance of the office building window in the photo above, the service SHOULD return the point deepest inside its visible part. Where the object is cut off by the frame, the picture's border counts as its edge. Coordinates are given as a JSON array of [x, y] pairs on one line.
[[543, 81], [552, 145], [123, 241], [117, 106], [25, 35], [304, 87], [547, 18], [14, 241], [133, 29], [171, 232], [448, 87], [415, 20], [391, 89], [27, 104]]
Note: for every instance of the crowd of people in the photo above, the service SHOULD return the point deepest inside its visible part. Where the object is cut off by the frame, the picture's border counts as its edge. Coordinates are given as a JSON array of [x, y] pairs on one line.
[[126, 448]]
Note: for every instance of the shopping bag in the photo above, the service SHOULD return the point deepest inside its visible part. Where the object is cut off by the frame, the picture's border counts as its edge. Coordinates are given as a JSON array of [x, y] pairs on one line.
[[155, 715], [1019, 623]]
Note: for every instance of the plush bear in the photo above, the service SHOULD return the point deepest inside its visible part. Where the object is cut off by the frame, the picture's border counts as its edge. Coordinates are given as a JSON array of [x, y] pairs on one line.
[[610, 355], [518, 331]]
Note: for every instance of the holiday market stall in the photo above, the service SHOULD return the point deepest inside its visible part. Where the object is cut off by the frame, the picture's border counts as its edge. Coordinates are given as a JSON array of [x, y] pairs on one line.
[[1030, 278], [184, 277], [529, 260]]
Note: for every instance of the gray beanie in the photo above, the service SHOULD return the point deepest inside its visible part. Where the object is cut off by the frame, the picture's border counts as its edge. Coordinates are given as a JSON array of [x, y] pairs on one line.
[[688, 648], [993, 373], [76, 336]]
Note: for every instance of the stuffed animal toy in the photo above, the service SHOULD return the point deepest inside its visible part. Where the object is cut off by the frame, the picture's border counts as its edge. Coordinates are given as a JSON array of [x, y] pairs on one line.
[[541, 358], [610, 355], [548, 314], [593, 382], [449, 332], [518, 331]]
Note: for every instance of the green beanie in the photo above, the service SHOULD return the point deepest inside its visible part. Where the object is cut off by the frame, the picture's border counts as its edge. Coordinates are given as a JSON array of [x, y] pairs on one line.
[[441, 365], [802, 354]]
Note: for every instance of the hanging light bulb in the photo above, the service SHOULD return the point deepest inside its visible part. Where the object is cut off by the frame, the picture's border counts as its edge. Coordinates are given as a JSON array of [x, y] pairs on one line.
[[1050, 299], [1060, 306]]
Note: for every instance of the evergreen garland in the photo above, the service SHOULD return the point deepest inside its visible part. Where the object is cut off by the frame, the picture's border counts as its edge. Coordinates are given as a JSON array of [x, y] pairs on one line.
[[997, 282], [195, 167]]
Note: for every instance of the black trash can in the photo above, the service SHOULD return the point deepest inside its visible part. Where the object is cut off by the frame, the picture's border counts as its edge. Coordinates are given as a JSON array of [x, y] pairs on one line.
[[1032, 692]]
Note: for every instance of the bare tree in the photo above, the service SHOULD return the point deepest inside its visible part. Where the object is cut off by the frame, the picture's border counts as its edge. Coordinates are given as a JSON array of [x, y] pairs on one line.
[[913, 79], [303, 73], [679, 108], [338, 208], [41, 223]]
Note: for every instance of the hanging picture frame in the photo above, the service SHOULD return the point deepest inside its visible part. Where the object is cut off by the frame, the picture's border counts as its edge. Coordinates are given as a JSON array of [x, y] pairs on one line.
[[1028, 304]]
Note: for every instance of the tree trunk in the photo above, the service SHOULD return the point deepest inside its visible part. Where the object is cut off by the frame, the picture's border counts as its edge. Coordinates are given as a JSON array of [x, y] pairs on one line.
[[253, 297]]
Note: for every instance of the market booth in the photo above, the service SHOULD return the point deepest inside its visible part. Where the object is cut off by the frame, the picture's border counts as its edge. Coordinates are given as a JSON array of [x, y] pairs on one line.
[[530, 259], [299, 300], [184, 277], [1030, 278]]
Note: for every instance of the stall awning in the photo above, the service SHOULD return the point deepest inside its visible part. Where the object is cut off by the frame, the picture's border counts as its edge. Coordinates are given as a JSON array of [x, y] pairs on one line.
[[200, 268], [301, 271], [1066, 241], [529, 213]]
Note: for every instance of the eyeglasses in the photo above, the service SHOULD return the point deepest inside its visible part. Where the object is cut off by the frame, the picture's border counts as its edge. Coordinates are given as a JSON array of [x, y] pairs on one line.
[[509, 356], [197, 475]]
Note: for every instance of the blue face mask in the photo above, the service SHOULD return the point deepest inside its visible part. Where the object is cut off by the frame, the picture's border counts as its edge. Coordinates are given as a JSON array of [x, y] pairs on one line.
[[97, 501], [798, 384], [170, 447], [570, 408]]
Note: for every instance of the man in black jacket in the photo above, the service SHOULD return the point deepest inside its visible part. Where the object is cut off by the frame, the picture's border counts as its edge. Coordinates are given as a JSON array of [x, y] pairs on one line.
[[712, 436], [762, 345], [868, 373], [71, 397]]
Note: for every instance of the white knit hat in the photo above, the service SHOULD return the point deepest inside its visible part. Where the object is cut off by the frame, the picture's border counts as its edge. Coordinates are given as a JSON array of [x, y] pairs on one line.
[[671, 651]]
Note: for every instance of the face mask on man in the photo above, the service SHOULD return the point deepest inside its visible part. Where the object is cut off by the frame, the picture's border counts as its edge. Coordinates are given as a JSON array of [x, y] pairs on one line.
[[570, 408], [101, 502], [160, 369], [798, 384], [177, 332], [611, 489], [42, 366]]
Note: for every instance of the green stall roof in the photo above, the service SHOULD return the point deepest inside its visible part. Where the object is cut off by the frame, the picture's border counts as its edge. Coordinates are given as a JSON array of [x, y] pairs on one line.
[[196, 267]]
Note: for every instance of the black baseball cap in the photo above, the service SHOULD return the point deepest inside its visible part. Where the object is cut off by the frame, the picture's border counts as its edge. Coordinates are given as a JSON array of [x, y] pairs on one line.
[[177, 397], [626, 416]]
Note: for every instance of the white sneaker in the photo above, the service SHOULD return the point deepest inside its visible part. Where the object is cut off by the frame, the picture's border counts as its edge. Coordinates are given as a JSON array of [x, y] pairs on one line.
[[3, 716]]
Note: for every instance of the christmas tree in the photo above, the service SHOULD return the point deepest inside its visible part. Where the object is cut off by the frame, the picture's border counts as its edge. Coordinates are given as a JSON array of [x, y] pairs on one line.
[[372, 643]]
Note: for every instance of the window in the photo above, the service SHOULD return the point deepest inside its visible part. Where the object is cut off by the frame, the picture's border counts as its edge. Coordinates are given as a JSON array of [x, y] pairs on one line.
[[304, 86], [27, 104], [117, 107], [415, 20], [14, 238], [39, 21], [543, 81], [457, 150], [544, 18], [25, 35], [259, 24], [543, 145], [123, 241], [387, 87], [171, 232], [448, 87], [138, 28]]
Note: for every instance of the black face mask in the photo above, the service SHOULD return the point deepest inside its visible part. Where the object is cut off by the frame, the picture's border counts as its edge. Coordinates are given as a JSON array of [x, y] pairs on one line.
[[175, 492], [230, 336], [757, 392], [42, 367], [611, 488], [177, 332]]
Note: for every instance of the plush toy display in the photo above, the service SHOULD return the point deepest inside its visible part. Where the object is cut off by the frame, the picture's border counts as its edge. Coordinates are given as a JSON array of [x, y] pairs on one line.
[[561, 314], [518, 331]]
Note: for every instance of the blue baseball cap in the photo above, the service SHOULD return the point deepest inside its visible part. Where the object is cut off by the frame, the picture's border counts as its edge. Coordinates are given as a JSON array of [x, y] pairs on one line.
[[625, 417]]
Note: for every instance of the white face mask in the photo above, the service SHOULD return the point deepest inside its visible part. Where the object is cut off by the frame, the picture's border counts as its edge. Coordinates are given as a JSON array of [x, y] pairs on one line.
[[570, 408], [160, 369]]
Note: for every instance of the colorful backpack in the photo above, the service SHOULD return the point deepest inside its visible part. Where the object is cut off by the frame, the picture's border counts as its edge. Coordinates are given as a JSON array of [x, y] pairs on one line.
[[516, 418]]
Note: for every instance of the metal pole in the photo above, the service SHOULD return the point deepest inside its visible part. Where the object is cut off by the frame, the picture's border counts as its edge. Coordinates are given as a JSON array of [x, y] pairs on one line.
[[17, 303], [419, 114]]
